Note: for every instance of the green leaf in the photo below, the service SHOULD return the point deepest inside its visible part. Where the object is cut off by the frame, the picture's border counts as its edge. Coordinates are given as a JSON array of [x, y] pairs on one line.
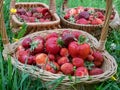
[[81, 39], [60, 42]]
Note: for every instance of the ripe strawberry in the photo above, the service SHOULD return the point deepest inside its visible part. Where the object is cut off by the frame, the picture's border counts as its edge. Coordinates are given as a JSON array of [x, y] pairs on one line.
[[39, 39], [51, 57], [47, 16], [29, 14], [72, 11], [97, 63], [33, 10], [98, 56], [99, 14], [42, 20], [96, 71], [82, 21], [80, 9], [31, 60], [54, 34], [44, 11], [52, 46], [67, 16], [37, 15], [41, 59], [64, 52], [67, 68], [62, 60], [39, 9], [65, 32], [81, 71], [78, 62], [52, 67], [76, 34], [20, 47], [21, 11], [90, 58], [26, 43], [84, 15], [96, 21], [31, 19], [24, 17]]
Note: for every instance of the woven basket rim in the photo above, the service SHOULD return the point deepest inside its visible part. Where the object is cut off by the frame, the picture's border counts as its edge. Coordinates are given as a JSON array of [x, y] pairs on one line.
[[56, 21], [50, 76]]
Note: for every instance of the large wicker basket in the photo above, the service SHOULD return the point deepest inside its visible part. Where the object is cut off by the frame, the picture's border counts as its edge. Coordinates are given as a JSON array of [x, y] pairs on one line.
[[109, 65], [36, 26], [92, 29]]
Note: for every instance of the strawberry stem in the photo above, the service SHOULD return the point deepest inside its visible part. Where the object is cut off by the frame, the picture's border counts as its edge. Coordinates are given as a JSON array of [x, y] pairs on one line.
[[33, 45], [60, 42], [81, 39]]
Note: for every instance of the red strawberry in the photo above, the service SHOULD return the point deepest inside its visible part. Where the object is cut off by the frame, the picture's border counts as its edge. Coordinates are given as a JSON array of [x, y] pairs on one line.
[[44, 11], [96, 71], [33, 10], [51, 57], [24, 17], [67, 38], [96, 21], [31, 19], [42, 20], [78, 62], [98, 56], [54, 34], [29, 14], [19, 48], [65, 32], [21, 11], [97, 63], [81, 71], [79, 50], [80, 9], [47, 16], [39, 9], [64, 52], [39, 39], [99, 14], [62, 60], [31, 60], [84, 15], [52, 46], [67, 16], [72, 11], [76, 34], [67, 68], [52, 67], [82, 21], [90, 58], [26, 43]]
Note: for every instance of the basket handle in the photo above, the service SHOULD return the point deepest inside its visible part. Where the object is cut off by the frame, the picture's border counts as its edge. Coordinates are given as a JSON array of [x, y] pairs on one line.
[[104, 33], [2, 26], [52, 5]]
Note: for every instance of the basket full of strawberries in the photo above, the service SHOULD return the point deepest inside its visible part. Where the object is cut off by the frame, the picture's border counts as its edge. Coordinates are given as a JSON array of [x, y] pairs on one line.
[[73, 56], [37, 16], [85, 18]]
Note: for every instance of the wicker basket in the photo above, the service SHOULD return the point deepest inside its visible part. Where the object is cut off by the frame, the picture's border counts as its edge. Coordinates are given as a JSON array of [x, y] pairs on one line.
[[36, 26], [92, 29], [109, 65]]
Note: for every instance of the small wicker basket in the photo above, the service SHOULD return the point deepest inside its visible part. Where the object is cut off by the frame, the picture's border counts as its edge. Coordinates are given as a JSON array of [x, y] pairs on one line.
[[109, 65], [36, 26], [92, 29]]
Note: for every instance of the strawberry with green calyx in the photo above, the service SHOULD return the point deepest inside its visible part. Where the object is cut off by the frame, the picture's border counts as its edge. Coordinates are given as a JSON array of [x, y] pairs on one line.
[[89, 65], [52, 46], [96, 71], [80, 48], [60, 42]]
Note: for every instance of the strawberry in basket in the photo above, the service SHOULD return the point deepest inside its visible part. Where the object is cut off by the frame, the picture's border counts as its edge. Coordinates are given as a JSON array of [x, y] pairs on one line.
[[68, 53]]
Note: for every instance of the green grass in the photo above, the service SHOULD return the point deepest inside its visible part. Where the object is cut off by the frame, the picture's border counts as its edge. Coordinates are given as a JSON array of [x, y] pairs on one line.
[[12, 79]]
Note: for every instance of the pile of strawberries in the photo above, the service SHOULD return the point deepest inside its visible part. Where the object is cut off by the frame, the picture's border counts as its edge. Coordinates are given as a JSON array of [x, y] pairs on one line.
[[69, 53], [38, 14], [81, 15]]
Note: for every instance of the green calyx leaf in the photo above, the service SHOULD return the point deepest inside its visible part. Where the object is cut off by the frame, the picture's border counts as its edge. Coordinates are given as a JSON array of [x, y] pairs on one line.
[[60, 42], [82, 39], [89, 65], [53, 66], [33, 45]]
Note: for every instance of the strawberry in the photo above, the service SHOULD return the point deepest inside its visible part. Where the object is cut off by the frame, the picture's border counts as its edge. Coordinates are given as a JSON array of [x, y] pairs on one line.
[[52, 46], [44, 11], [96, 71], [31, 19], [67, 38], [39, 9], [90, 58], [67, 68], [21, 11], [51, 57], [96, 21], [24, 17], [80, 9], [64, 52], [62, 60], [47, 16], [76, 34], [39, 39], [82, 21], [29, 14], [42, 20], [20, 47], [67, 16], [26, 43], [98, 56], [72, 11], [97, 63], [52, 67], [65, 32], [41, 59], [84, 15], [78, 62], [99, 14], [81, 71], [54, 34]]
